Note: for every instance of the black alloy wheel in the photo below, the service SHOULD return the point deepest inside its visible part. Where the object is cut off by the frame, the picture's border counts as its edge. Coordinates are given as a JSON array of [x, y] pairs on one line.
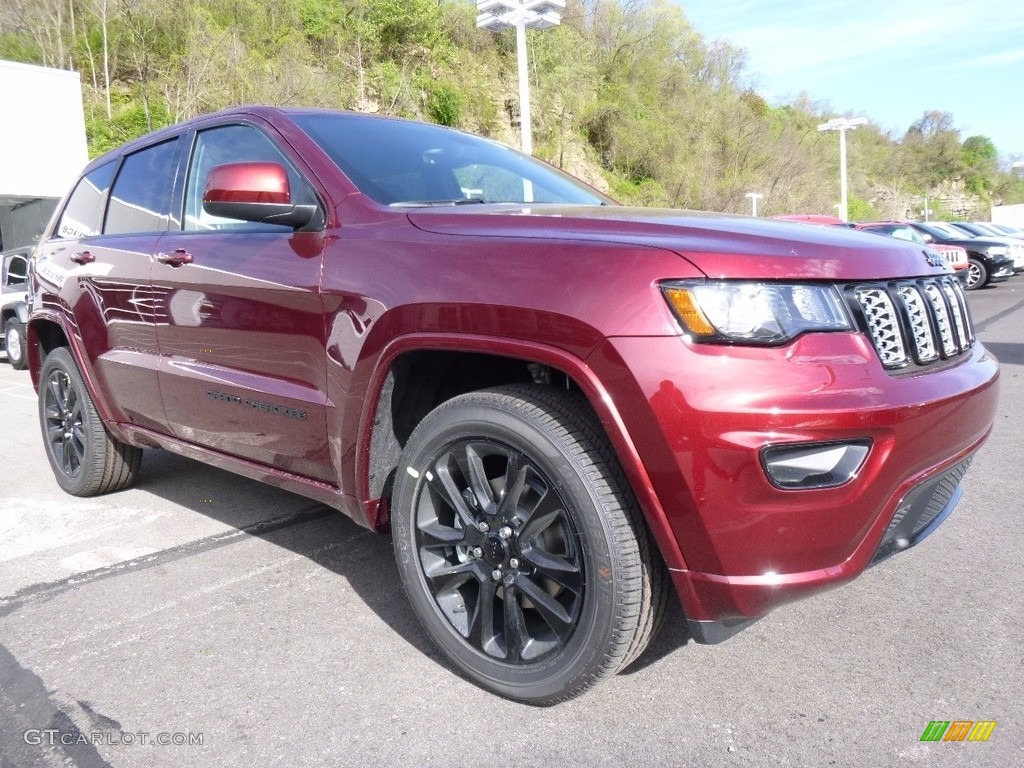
[[85, 458], [500, 554], [520, 544]]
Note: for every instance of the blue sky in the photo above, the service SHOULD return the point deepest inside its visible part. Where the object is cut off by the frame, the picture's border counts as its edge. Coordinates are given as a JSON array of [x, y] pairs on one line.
[[887, 61]]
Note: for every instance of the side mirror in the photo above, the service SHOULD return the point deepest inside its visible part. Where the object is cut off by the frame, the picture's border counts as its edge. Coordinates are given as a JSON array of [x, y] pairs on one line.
[[257, 192], [928, 238], [16, 272]]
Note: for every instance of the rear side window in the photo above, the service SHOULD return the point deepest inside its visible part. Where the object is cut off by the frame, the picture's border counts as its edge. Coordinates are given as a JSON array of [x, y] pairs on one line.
[[141, 198], [81, 216]]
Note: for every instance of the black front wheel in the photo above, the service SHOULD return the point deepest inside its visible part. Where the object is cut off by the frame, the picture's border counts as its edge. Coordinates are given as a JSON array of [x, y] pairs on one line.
[[521, 546], [86, 459]]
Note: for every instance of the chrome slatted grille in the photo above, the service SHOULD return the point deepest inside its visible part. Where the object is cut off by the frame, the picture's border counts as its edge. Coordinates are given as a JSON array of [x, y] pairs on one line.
[[943, 318], [883, 326], [962, 319], [914, 323], [920, 323]]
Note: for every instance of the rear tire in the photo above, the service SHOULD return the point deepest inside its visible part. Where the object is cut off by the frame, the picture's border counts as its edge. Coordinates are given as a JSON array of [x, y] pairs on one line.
[[86, 459], [521, 546], [16, 344]]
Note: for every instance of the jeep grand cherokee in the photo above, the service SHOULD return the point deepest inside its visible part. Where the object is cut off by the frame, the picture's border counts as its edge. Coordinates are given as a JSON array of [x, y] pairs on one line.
[[560, 408]]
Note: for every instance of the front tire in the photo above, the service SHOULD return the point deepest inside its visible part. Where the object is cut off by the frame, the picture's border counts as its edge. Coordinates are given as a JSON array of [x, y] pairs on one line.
[[977, 275], [16, 344], [521, 546], [85, 458]]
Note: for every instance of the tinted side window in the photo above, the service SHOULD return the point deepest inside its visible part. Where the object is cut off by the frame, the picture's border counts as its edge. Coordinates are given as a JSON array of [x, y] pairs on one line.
[[141, 198], [81, 216], [234, 144]]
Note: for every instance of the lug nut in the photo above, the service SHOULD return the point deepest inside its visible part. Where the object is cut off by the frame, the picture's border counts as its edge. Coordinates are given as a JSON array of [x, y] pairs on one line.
[[505, 532], [483, 527], [496, 574], [513, 563], [477, 552]]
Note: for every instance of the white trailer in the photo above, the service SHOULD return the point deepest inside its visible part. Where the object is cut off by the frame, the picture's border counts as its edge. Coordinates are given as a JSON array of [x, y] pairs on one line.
[[42, 146], [1011, 215]]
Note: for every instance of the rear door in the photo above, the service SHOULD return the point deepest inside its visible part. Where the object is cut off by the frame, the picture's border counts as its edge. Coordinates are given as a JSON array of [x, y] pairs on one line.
[[102, 265], [243, 336]]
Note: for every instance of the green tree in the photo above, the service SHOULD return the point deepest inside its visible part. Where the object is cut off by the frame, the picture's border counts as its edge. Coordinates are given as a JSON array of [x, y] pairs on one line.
[[979, 157]]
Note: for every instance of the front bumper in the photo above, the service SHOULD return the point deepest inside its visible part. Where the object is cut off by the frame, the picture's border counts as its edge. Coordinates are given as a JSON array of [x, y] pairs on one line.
[[743, 546], [1004, 268]]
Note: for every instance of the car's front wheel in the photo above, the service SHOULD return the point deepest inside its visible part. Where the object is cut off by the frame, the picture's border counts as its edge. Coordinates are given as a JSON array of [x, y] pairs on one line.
[[16, 344], [977, 275], [86, 459], [521, 546]]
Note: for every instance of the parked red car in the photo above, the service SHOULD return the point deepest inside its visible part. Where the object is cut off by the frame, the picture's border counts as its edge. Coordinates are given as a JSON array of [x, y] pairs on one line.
[[559, 407], [823, 220]]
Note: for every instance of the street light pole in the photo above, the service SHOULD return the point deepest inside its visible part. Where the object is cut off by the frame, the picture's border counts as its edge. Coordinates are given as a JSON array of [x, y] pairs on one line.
[[525, 113], [754, 197], [843, 124], [497, 15]]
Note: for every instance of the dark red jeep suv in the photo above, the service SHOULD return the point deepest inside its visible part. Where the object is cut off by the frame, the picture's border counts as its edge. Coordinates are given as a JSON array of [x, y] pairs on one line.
[[560, 408]]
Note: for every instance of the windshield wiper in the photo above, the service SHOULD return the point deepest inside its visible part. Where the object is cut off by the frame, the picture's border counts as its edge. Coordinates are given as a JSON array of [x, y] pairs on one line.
[[438, 203]]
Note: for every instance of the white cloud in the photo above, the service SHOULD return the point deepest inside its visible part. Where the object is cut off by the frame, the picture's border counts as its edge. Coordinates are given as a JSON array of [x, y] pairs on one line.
[[992, 59]]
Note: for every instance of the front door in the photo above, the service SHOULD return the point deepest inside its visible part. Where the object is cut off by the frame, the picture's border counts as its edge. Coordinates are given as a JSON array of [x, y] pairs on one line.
[[242, 332]]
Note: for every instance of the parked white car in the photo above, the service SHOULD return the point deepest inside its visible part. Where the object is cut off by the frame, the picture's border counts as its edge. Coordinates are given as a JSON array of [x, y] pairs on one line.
[[13, 310]]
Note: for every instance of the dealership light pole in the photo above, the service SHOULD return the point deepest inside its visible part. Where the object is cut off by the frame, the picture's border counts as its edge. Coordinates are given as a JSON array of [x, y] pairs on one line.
[[497, 15], [753, 197], [843, 124]]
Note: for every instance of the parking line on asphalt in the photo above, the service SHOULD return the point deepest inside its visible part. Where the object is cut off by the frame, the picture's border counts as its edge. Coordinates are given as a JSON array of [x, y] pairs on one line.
[[19, 391]]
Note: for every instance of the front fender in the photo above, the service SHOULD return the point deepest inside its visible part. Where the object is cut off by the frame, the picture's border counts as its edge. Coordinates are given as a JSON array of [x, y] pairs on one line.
[[590, 385]]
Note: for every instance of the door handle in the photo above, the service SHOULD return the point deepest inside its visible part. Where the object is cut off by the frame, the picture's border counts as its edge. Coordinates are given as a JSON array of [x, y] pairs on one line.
[[83, 257], [176, 258]]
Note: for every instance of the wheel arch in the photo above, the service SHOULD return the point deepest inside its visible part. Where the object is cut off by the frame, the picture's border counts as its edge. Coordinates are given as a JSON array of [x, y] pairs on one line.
[[47, 331], [380, 443], [16, 309]]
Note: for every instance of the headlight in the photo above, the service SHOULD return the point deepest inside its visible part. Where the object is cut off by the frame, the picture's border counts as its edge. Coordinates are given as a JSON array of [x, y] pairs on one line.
[[755, 313], [998, 250]]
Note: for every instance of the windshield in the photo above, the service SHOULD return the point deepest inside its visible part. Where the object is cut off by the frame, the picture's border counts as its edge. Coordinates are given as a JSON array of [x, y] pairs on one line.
[[1006, 229], [960, 228], [406, 164], [989, 229], [906, 233], [970, 228], [945, 230]]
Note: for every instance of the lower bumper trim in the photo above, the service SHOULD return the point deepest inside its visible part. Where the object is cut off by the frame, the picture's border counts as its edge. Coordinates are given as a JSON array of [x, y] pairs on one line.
[[921, 511], [714, 632]]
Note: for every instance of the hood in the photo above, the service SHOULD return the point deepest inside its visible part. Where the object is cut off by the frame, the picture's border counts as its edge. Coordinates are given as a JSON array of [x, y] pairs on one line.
[[720, 245]]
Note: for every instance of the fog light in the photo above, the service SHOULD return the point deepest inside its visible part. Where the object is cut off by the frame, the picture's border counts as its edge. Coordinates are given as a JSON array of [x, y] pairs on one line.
[[804, 466]]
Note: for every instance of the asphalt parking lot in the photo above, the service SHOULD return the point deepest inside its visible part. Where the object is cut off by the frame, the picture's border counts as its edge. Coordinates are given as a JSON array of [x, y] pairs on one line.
[[202, 619]]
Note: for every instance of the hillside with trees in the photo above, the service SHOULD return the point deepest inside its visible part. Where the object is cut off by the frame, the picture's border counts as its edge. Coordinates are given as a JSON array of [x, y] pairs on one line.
[[626, 94]]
